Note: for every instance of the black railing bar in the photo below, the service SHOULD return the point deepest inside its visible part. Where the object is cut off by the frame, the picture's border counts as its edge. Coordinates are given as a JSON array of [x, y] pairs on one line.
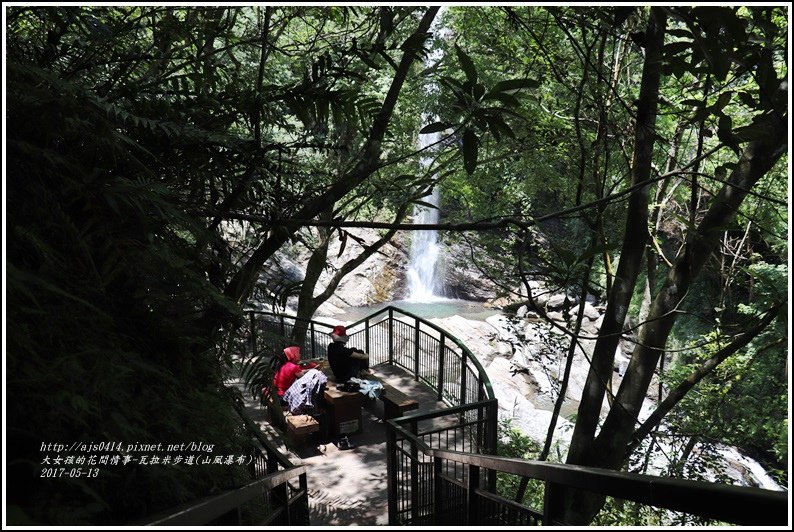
[[438, 413], [461, 345], [261, 438], [507, 502], [453, 480], [410, 437], [436, 430], [278, 315], [273, 515], [212, 507], [737, 504]]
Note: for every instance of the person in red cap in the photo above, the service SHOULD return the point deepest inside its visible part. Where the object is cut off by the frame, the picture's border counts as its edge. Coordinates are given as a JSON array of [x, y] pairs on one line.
[[345, 362], [290, 369]]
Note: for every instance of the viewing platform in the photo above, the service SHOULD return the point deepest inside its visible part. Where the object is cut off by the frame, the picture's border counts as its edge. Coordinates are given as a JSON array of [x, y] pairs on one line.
[[349, 487], [434, 465]]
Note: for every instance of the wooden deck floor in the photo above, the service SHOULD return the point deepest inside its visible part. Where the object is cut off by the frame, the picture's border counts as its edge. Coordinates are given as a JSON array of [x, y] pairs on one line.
[[349, 487]]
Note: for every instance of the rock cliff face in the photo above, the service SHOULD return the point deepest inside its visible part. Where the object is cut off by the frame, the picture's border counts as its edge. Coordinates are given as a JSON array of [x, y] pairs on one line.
[[380, 278]]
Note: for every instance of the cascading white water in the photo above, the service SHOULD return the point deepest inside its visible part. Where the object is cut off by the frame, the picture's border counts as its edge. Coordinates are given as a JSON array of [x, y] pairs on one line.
[[424, 280]]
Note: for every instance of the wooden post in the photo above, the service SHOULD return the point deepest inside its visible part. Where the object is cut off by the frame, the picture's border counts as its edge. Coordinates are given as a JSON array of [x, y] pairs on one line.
[[552, 503], [473, 510], [441, 350]]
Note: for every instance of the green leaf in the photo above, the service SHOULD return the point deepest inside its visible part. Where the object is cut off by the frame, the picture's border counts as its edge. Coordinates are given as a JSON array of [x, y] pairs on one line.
[[503, 127], [677, 47], [747, 99], [507, 99], [435, 127], [723, 100], [466, 64], [514, 85], [470, 148]]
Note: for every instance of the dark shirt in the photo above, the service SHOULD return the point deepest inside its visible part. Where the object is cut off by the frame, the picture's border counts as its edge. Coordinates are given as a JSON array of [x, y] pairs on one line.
[[341, 364]]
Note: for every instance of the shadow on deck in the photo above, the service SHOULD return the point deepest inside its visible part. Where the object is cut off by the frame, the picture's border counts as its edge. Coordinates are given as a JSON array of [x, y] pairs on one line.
[[350, 487]]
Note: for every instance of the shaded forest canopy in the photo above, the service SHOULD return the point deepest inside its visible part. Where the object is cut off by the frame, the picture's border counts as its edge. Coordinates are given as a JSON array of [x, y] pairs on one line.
[[159, 156]]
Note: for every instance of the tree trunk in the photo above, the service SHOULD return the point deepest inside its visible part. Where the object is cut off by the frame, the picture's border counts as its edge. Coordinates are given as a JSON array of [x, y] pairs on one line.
[[608, 450], [678, 393], [636, 233], [308, 303]]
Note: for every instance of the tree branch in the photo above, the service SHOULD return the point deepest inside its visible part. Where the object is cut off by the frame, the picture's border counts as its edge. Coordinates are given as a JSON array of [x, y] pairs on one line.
[[696, 376]]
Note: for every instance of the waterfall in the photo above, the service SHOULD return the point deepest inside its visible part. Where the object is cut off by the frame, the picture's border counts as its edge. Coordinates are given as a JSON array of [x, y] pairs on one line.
[[424, 280]]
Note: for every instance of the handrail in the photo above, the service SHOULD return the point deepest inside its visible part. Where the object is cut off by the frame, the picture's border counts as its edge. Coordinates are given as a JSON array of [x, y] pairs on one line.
[[269, 313], [255, 431], [465, 350], [723, 502], [215, 506]]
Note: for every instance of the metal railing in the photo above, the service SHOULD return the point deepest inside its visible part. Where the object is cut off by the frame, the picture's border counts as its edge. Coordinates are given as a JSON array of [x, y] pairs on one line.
[[277, 496], [437, 480], [441, 465], [429, 353], [390, 336]]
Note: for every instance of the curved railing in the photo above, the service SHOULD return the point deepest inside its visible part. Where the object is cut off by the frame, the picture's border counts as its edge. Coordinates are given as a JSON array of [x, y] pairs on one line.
[[390, 336], [441, 464]]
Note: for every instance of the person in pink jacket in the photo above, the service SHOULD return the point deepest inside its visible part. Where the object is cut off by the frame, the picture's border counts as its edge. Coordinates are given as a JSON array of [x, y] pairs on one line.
[[290, 369]]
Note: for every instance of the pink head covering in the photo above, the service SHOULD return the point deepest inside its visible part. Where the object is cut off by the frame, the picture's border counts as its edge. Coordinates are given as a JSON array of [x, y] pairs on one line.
[[293, 353]]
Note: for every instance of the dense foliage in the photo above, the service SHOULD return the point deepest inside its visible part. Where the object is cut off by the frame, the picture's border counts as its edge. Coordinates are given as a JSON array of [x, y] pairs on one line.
[[159, 156]]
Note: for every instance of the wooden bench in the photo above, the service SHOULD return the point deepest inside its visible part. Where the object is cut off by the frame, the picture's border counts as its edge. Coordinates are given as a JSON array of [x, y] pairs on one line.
[[396, 403]]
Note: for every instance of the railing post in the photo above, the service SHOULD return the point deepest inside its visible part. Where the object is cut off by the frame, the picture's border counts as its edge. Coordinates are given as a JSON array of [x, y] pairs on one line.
[[279, 499], [281, 321], [480, 433], [441, 350], [416, 350], [463, 378], [414, 476], [438, 493], [552, 503], [253, 334], [491, 424], [472, 508], [311, 328], [391, 472], [304, 500], [366, 339], [391, 337], [272, 463]]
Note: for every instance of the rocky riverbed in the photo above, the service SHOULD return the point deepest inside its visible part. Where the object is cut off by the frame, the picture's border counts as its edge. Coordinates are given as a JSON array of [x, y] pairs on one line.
[[523, 355]]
